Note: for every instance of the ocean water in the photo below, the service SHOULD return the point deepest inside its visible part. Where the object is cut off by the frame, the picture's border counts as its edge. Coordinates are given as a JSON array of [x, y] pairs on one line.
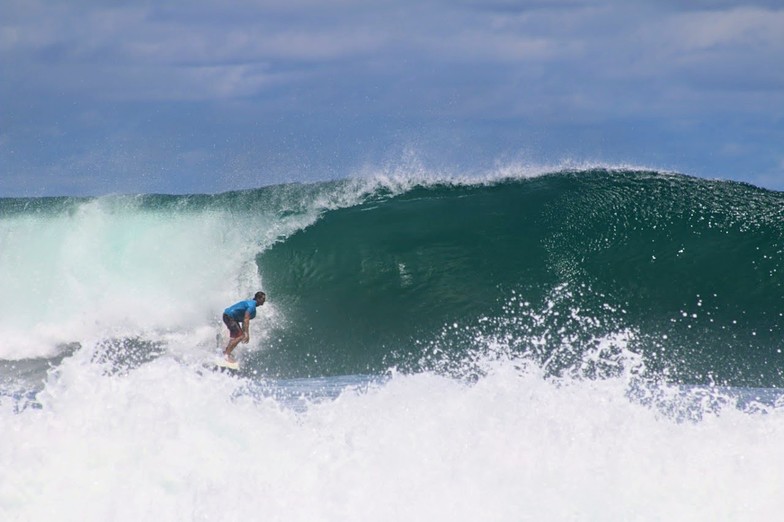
[[599, 344]]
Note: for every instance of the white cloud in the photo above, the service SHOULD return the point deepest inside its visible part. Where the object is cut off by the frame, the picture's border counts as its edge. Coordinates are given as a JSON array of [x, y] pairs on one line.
[[745, 27], [139, 53], [743, 38]]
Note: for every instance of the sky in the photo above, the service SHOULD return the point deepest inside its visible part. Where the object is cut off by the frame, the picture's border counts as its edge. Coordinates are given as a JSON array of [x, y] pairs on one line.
[[192, 96]]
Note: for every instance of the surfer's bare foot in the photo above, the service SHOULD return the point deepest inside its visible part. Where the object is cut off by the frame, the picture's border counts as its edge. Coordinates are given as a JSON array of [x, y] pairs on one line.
[[230, 358]]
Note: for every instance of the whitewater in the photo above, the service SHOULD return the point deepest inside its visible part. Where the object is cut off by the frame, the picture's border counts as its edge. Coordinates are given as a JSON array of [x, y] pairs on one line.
[[593, 344]]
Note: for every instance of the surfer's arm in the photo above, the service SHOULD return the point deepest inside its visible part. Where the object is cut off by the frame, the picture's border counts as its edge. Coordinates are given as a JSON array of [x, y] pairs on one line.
[[246, 327]]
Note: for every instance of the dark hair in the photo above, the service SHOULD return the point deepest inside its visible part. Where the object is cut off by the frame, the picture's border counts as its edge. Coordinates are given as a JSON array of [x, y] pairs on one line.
[[259, 295]]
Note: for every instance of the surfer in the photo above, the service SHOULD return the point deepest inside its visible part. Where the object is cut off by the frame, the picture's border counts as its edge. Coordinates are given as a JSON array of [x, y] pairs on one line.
[[237, 318]]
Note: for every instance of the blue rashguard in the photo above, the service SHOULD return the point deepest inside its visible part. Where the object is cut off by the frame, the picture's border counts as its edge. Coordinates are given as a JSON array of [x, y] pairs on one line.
[[237, 311]]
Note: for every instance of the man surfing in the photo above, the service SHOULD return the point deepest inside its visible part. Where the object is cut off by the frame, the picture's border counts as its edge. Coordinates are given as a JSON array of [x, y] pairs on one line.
[[237, 319]]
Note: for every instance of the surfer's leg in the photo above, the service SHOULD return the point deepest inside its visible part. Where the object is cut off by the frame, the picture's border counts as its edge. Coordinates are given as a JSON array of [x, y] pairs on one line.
[[235, 333], [230, 347]]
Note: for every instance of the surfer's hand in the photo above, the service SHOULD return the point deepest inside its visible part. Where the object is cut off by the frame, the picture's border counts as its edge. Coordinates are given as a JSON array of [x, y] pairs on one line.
[[246, 338]]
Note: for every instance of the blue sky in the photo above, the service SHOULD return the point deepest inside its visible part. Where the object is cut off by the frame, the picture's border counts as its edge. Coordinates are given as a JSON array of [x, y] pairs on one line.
[[206, 96]]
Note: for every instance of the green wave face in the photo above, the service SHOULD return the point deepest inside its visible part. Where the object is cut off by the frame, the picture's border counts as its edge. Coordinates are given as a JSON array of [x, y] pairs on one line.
[[689, 270]]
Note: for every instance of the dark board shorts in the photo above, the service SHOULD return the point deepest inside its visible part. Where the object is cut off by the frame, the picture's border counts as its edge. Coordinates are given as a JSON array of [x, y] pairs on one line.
[[235, 330]]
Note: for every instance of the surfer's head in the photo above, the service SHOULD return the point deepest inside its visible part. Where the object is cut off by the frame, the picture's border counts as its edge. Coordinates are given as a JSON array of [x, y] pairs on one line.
[[260, 297]]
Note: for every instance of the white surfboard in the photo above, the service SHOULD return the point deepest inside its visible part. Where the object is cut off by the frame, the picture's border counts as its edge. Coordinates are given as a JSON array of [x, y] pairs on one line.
[[221, 362]]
